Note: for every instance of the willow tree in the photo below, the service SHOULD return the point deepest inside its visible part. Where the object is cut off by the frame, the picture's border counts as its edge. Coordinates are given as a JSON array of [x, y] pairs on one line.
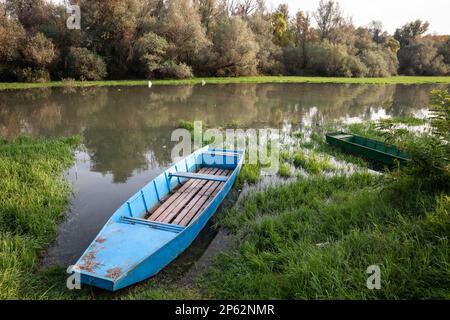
[[181, 26], [235, 48]]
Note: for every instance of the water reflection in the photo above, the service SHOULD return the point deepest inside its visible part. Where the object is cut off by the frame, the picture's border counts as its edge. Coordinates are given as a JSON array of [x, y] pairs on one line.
[[126, 131]]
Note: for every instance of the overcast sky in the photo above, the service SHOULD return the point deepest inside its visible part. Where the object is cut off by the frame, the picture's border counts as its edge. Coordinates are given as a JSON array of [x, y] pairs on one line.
[[393, 13]]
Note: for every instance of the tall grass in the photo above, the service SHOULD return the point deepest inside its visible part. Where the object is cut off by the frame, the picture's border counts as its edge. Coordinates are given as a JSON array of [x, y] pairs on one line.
[[32, 200], [315, 239]]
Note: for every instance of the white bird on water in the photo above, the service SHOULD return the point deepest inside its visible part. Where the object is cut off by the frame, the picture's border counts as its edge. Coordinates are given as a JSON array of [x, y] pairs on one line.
[[150, 84], [203, 83]]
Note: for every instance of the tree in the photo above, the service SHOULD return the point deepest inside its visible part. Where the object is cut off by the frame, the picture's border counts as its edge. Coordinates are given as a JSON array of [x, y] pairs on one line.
[[12, 39], [209, 11], [186, 36], [39, 51], [12, 36], [421, 57], [29, 13], [303, 33], [111, 30], [235, 48], [85, 65], [280, 26], [376, 30], [329, 17], [269, 54], [411, 31], [444, 50], [149, 53]]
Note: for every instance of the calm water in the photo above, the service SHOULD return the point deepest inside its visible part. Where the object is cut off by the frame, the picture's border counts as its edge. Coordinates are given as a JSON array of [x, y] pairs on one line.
[[127, 131]]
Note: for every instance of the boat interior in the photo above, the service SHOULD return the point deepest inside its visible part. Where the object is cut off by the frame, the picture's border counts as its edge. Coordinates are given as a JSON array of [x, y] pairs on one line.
[[186, 202], [372, 144]]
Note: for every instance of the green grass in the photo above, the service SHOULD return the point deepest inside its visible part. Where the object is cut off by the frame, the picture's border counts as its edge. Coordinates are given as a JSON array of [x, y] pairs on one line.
[[32, 201], [315, 238], [237, 80], [312, 238], [285, 170]]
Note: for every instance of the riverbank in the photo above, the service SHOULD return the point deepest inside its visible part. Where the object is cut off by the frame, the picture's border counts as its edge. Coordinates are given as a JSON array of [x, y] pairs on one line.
[[310, 235], [33, 199], [251, 80]]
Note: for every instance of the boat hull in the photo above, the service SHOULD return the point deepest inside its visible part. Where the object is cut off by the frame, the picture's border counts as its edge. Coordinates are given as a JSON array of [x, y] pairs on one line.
[[129, 249], [367, 148]]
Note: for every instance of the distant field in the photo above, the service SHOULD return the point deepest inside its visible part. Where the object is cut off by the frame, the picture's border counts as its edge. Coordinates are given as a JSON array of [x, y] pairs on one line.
[[261, 79]]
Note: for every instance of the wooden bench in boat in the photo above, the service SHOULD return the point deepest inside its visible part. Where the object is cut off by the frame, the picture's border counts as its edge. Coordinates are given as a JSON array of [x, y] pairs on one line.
[[207, 177], [186, 203]]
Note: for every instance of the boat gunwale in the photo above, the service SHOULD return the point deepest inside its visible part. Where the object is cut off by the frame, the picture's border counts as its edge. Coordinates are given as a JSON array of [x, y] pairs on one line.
[[330, 135]]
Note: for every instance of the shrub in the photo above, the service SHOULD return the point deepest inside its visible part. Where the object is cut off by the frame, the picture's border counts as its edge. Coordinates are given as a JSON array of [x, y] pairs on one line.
[[39, 51], [30, 74], [328, 59], [149, 52], [173, 70], [293, 60], [353, 66], [375, 63], [430, 152], [84, 64], [421, 57], [236, 48]]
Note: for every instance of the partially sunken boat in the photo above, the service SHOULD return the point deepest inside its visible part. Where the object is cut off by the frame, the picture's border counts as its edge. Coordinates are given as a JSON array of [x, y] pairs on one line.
[[368, 148]]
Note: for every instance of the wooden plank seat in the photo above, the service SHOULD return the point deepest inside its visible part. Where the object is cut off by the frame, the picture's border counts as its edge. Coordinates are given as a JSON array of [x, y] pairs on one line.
[[223, 154], [190, 175], [183, 206]]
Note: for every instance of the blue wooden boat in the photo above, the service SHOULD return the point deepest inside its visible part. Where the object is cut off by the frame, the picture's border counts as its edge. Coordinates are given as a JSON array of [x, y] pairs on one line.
[[160, 221]]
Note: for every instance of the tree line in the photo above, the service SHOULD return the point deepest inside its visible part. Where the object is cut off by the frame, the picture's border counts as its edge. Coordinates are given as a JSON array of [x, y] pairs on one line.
[[178, 39]]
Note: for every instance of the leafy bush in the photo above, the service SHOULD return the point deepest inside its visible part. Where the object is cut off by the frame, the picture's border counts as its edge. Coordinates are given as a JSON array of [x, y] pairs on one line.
[[149, 52], [236, 48], [171, 69], [293, 60], [39, 51], [430, 152], [30, 74], [84, 64], [421, 57]]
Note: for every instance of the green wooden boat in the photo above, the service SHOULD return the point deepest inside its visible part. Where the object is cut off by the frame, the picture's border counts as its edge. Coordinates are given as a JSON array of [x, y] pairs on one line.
[[367, 148]]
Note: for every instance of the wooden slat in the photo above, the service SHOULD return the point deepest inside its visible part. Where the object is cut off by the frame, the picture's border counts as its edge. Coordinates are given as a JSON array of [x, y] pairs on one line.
[[184, 220], [211, 193], [156, 213], [182, 200], [202, 200], [188, 211]]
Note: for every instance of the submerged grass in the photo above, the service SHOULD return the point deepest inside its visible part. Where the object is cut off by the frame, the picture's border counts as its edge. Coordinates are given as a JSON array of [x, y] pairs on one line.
[[32, 200], [237, 80]]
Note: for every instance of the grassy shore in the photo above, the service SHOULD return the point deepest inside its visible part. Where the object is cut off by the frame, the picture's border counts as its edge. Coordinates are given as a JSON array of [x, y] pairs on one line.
[[33, 197], [257, 79], [311, 236], [314, 237]]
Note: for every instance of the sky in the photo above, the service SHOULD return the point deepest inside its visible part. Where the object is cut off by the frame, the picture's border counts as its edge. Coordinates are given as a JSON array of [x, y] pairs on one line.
[[393, 13]]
